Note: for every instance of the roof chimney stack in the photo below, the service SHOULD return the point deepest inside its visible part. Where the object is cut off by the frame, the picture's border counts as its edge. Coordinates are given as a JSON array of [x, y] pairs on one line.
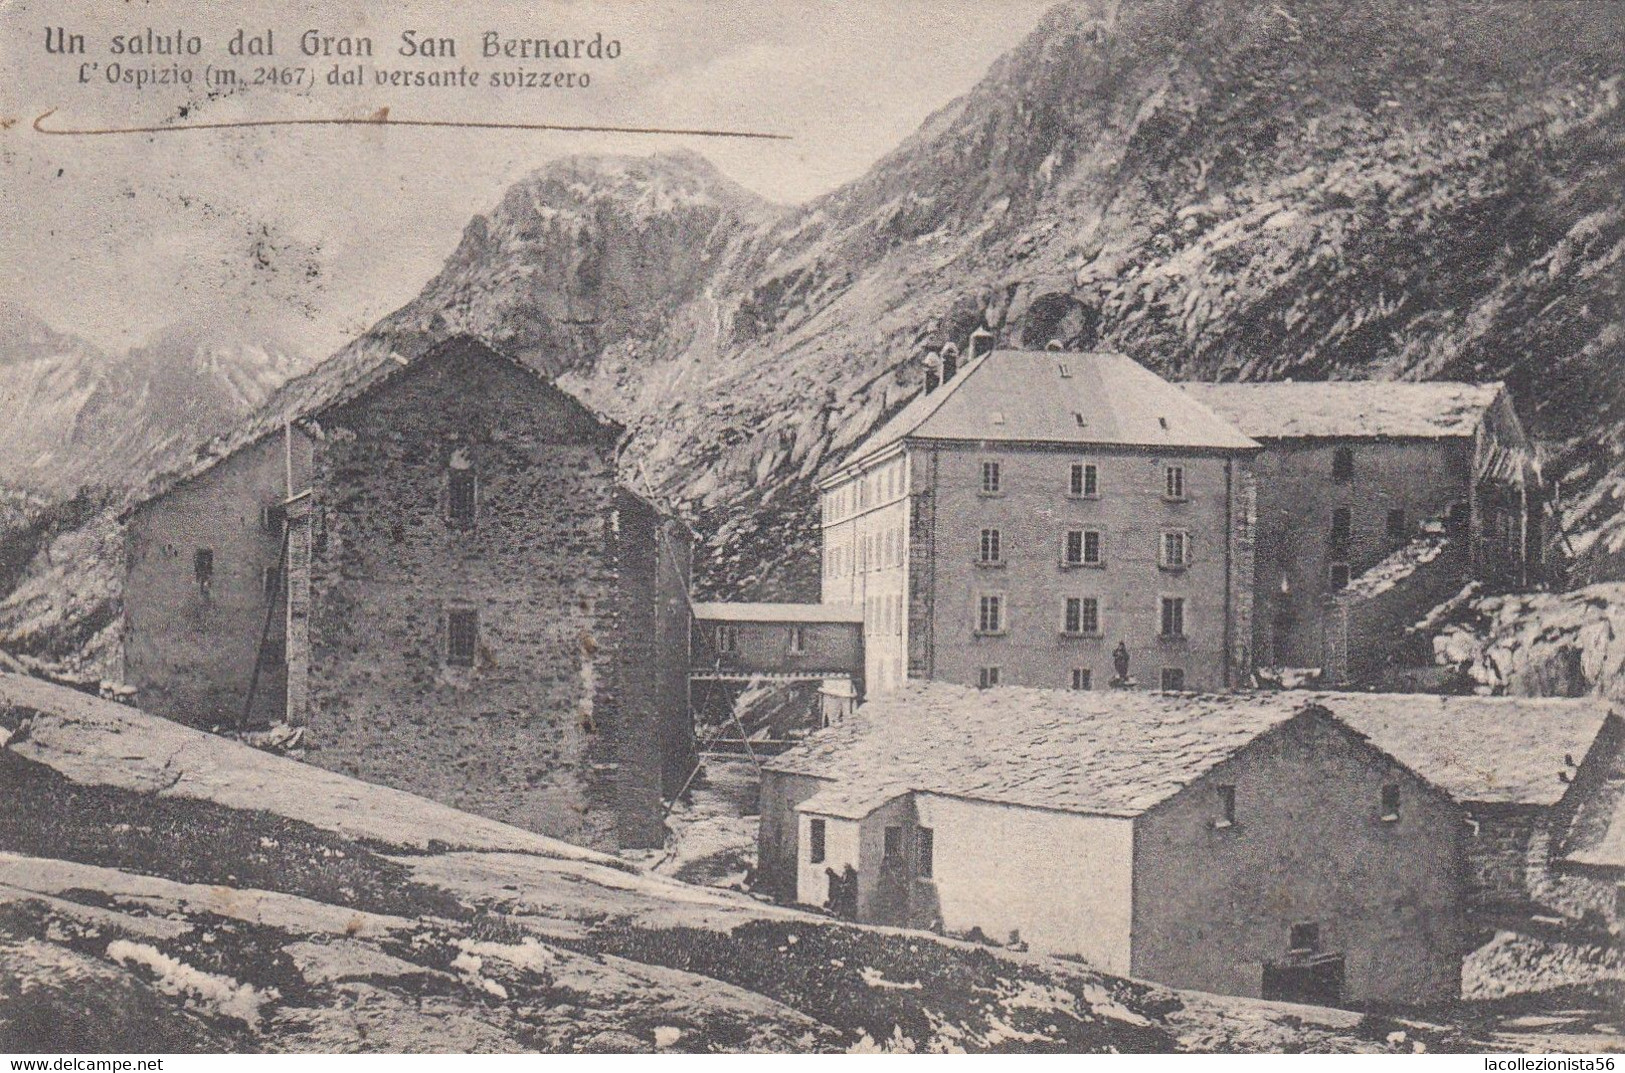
[[981, 343], [933, 371], [950, 362]]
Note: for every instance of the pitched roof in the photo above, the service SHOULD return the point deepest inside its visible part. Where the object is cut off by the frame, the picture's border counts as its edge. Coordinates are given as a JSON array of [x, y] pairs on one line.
[[1597, 834], [356, 369], [1048, 396], [1352, 408], [721, 612], [1113, 753], [1120, 752]]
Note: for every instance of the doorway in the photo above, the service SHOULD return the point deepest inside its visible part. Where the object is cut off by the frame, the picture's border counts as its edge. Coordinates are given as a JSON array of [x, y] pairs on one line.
[[1315, 979]]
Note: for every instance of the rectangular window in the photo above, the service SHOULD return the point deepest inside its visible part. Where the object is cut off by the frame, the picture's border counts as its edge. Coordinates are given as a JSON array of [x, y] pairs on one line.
[[1398, 533], [1341, 529], [1227, 806], [462, 637], [1173, 616], [460, 496], [727, 639], [1085, 479], [1343, 465], [1084, 547], [1390, 802], [1173, 680], [272, 516], [991, 552], [990, 478], [1173, 482], [203, 568], [1082, 678], [892, 853], [925, 852], [1176, 549], [1304, 938], [1082, 615], [798, 642], [1338, 575], [815, 841], [989, 614], [987, 677]]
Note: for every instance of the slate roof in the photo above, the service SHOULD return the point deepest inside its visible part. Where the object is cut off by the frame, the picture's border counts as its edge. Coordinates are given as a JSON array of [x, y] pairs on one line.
[[1350, 408], [1023, 396], [344, 377], [725, 612], [1597, 835], [1120, 752]]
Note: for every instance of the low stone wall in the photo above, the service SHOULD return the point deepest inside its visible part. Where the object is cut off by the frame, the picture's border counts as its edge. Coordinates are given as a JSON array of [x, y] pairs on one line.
[[1367, 621]]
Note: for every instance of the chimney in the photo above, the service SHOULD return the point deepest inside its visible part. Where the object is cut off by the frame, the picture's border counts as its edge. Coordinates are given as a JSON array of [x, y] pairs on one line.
[[981, 343], [933, 371], [950, 362]]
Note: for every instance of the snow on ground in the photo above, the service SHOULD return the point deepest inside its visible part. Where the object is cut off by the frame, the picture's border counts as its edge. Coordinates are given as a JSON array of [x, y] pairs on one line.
[[713, 834]]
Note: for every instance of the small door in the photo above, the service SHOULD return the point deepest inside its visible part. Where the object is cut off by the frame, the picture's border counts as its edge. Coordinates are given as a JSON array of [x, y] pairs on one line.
[[1316, 980]]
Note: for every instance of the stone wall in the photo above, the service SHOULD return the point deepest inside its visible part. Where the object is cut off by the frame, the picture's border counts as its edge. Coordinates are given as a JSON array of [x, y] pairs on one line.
[[1366, 623]]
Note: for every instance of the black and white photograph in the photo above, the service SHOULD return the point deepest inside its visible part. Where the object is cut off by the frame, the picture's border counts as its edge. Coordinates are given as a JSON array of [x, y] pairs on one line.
[[664, 527]]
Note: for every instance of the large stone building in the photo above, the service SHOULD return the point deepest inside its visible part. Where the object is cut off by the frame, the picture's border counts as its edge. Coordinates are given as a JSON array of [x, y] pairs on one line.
[[1185, 839], [1350, 473], [430, 564], [1039, 509]]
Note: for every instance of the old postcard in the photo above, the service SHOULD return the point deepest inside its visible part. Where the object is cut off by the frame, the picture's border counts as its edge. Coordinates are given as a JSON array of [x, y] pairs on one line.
[[855, 526]]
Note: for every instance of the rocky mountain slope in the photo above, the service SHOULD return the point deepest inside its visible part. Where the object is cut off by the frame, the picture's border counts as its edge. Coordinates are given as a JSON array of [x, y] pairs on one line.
[[163, 887]]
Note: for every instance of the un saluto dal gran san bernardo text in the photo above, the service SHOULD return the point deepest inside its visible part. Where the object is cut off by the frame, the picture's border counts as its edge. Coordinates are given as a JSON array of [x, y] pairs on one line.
[[150, 58]]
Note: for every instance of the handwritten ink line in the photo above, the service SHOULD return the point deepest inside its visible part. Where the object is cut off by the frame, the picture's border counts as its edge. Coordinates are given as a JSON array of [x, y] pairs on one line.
[[470, 124]]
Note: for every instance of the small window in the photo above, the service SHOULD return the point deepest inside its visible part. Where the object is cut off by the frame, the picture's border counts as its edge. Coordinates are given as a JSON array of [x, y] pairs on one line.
[[1082, 615], [1342, 527], [990, 478], [1173, 616], [1082, 678], [893, 850], [1390, 803], [991, 552], [987, 677], [1304, 939], [1173, 680], [925, 852], [272, 515], [1084, 547], [460, 496], [1173, 482], [1085, 479], [1338, 575], [1398, 532], [727, 639], [990, 614], [1227, 806], [798, 641], [1176, 549], [271, 581], [463, 637], [1343, 465], [815, 841], [203, 568]]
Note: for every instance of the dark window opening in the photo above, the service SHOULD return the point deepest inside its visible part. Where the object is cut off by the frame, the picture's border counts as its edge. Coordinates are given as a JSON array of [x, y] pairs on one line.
[[460, 496], [1082, 678], [798, 641], [463, 629], [990, 477], [1396, 528], [1343, 464], [1085, 479], [1173, 616], [203, 568], [987, 677], [988, 615], [727, 639], [815, 841], [1227, 806], [925, 852], [1341, 528], [1338, 575], [1390, 802], [1304, 939], [1173, 680], [893, 850], [272, 516], [991, 552], [1174, 482]]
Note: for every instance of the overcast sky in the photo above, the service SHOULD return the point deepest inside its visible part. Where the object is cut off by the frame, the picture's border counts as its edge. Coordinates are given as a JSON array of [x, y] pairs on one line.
[[316, 232]]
